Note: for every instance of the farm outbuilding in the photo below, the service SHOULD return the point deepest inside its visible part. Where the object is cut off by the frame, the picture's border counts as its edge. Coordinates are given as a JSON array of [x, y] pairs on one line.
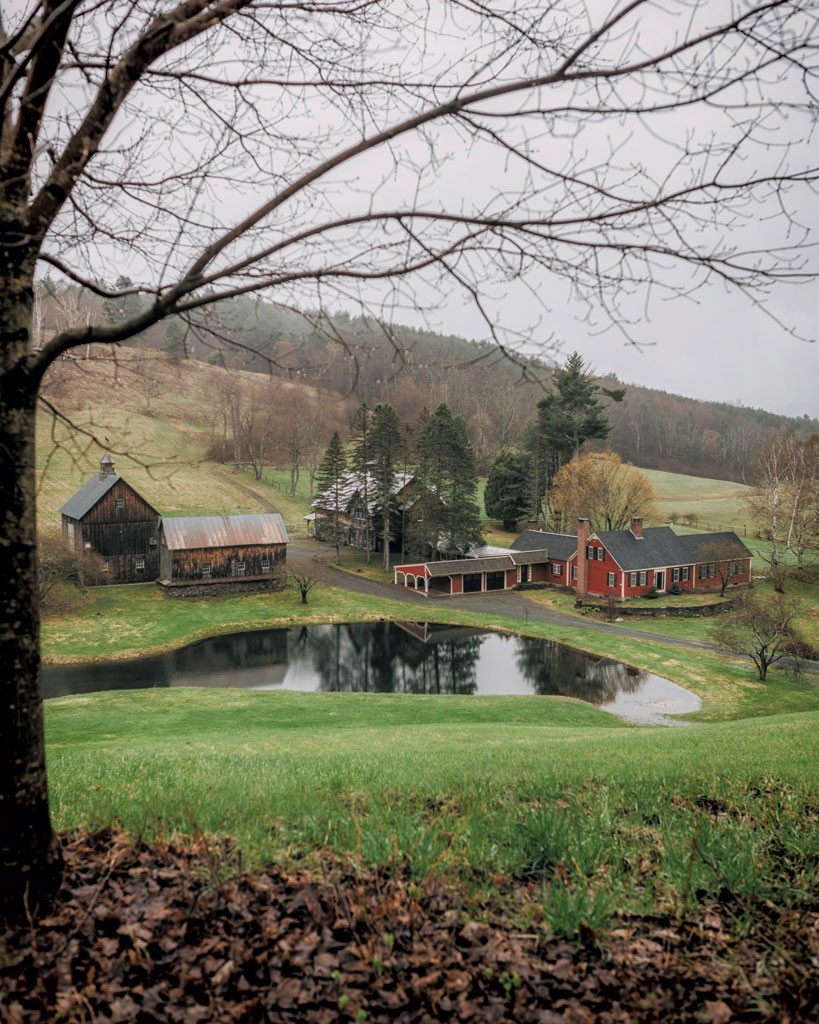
[[109, 518], [223, 549], [474, 575]]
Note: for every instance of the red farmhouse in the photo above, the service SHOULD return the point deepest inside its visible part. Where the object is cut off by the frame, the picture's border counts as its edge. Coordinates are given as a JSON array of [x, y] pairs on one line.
[[612, 563]]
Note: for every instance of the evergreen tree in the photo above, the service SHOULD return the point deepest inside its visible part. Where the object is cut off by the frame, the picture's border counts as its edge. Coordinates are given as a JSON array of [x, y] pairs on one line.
[[386, 447], [507, 488], [330, 479], [569, 414], [176, 339], [447, 469], [361, 463], [572, 413]]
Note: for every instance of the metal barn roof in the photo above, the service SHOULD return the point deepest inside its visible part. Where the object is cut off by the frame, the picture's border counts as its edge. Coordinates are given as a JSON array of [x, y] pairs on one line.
[[197, 532]]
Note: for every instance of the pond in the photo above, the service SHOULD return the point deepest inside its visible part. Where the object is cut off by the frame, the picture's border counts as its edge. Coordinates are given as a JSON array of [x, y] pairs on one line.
[[389, 657]]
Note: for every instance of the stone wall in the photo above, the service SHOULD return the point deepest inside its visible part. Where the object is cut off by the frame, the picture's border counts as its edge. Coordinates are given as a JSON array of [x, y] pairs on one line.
[[218, 589]]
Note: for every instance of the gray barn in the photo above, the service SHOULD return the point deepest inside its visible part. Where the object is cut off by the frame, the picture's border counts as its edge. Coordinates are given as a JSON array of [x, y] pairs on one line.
[[109, 518]]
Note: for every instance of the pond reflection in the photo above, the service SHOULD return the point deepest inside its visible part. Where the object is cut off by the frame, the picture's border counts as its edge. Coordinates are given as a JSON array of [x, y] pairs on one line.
[[389, 657]]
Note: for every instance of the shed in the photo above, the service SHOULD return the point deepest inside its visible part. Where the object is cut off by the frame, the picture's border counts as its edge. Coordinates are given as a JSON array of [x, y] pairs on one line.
[[225, 549], [109, 518]]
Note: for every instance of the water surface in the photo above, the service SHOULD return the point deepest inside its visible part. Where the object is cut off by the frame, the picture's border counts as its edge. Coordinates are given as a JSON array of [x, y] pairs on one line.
[[389, 657]]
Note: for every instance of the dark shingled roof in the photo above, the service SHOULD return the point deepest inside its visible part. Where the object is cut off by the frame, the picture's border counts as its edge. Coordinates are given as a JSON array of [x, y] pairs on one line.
[[459, 566], [88, 496], [187, 533], [661, 547], [559, 545], [486, 563]]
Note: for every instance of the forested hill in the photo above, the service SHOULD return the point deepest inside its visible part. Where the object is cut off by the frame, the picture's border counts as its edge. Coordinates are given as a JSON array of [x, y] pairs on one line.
[[416, 369]]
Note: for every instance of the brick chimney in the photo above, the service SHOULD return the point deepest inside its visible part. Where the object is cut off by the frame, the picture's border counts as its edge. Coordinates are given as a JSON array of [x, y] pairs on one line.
[[637, 528], [106, 466], [582, 564]]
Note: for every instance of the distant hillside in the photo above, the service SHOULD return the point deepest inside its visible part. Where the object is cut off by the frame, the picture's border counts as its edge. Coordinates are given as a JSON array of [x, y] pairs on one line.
[[359, 359], [157, 419], [415, 369]]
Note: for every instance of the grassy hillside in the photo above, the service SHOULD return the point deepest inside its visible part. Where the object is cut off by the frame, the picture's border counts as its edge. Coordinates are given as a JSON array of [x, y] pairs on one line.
[[715, 504], [599, 818], [158, 441], [153, 415]]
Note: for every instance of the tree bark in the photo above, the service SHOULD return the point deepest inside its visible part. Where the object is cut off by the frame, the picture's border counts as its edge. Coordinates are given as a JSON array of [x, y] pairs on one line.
[[30, 859]]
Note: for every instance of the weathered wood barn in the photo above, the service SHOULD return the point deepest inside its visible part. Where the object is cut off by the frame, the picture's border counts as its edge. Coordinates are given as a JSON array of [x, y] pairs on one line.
[[109, 518], [222, 549]]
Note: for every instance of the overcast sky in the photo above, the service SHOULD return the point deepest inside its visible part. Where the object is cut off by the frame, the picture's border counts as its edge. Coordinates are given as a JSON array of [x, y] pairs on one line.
[[571, 165], [720, 349]]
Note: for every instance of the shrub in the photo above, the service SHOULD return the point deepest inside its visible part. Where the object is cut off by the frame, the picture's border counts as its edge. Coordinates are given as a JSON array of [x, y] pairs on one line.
[[675, 589], [652, 594]]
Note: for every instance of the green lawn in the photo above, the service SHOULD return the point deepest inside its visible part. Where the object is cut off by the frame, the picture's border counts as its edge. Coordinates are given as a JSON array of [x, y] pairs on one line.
[[717, 504], [601, 818]]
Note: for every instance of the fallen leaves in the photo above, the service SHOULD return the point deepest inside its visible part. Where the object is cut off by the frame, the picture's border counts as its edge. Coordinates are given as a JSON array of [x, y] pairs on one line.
[[150, 933]]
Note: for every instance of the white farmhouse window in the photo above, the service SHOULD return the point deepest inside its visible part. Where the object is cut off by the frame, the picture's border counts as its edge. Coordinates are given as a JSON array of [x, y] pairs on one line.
[[557, 569], [611, 579], [265, 565]]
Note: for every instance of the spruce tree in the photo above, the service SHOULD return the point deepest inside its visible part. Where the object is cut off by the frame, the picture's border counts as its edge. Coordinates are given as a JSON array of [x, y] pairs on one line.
[[386, 446], [569, 414], [330, 480], [507, 488], [361, 464], [447, 470]]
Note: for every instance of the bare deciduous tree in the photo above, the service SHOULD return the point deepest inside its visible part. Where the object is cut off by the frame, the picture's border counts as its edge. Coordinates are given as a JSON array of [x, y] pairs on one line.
[[599, 179], [304, 582], [785, 500], [762, 628]]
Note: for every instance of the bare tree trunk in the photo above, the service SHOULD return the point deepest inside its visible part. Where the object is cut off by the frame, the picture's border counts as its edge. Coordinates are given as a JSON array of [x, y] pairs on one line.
[[30, 859]]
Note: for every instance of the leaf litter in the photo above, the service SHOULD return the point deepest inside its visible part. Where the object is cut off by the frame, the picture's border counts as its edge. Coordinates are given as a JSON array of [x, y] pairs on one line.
[[152, 932]]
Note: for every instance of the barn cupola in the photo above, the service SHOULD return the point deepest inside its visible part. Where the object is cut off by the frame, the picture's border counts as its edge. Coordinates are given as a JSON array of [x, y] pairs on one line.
[[107, 466]]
